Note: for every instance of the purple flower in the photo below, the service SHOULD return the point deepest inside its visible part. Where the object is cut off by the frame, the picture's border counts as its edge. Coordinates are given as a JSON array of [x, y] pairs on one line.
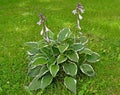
[[80, 8], [42, 19], [74, 12], [45, 29], [40, 22]]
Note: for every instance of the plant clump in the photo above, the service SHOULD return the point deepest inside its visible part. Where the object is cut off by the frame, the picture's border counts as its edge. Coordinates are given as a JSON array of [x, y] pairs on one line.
[[48, 55]]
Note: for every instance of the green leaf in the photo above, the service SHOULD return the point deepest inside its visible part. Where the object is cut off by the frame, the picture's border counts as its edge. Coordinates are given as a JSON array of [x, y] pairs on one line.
[[63, 34], [63, 48], [70, 83], [35, 84], [31, 44], [47, 51], [83, 40], [61, 58], [72, 55], [43, 71], [69, 41], [39, 61], [50, 34], [70, 68], [46, 80], [82, 59], [51, 61], [77, 47], [54, 70], [42, 43], [32, 72], [87, 51], [87, 69], [39, 55], [55, 51], [94, 57], [33, 51]]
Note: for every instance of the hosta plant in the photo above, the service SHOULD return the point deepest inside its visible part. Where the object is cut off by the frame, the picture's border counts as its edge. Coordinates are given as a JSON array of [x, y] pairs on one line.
[[68, 51]]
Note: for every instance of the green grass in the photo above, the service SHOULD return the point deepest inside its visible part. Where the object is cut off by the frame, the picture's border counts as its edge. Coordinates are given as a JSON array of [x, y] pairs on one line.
[[101, 24]]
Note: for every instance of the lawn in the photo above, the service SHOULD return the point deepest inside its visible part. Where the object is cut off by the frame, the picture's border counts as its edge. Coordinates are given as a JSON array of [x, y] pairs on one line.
[[101, 24]]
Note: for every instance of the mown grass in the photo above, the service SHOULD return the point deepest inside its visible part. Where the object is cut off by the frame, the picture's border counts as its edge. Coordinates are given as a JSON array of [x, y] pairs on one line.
[[101, 24]]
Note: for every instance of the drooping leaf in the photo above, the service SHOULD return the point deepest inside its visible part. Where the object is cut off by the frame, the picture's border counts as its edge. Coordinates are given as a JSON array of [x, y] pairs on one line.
[[46, 80], [39, 61], [31, 44], [70, 68], [63, 48], [61, 58], [35, 84], [51, 61], [32, 72], [87, 69], [70, 83], [54, 70], [43, 71], [72, 55], [77, 47], [94, 57], [63, 34]]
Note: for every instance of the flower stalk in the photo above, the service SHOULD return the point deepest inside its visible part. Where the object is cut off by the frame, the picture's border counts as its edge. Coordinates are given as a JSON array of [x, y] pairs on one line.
[[45, 30], [78, 11]]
